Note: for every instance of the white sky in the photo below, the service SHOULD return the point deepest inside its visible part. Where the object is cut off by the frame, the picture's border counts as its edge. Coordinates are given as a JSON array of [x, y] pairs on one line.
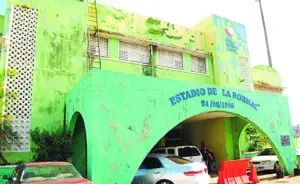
[[281, 19]]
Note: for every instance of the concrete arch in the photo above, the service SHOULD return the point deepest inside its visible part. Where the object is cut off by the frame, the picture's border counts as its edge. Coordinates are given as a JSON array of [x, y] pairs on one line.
[[126, 116]]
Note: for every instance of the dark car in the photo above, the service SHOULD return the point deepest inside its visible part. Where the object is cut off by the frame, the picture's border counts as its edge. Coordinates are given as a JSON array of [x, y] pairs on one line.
[[45, 173]]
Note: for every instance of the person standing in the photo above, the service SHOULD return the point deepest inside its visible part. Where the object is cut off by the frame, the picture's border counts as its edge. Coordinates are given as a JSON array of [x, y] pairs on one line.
[[204, 152]]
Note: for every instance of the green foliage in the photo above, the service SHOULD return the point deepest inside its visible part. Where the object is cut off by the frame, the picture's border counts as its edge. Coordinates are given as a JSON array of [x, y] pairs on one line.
[[147, 71], [11, 72], [255, 139], [51, 146], [297, 164], [155, 21], [7, 136]]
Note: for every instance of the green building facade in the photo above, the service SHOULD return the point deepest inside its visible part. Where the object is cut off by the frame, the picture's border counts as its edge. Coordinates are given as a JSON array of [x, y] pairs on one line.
[[152, 76]]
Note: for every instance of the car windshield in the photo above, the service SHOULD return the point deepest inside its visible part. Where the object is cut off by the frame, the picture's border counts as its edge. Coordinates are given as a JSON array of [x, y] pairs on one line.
[[188, 152], [267, 152], [49, 173], [178, 160]]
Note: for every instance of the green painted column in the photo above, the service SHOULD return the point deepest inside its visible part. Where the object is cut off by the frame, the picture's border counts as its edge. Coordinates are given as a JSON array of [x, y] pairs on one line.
[[113, 48], [153, 60], [233, 129], [187, 62]]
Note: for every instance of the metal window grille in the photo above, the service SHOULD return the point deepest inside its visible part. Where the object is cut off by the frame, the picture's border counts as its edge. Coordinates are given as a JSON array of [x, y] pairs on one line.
[[134, 53], [20, 57], [170, 59], [245, 73], [198, 65], [103, 43]]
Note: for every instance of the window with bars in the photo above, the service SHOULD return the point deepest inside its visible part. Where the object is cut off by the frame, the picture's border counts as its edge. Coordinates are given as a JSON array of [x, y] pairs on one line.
[[103, 44], [170, 59], [198, 65], [134, 52]]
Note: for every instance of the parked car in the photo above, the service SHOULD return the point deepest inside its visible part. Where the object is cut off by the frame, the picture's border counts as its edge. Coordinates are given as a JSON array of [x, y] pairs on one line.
[[170, 169], [265, 160], [45, 173], [191, 153]]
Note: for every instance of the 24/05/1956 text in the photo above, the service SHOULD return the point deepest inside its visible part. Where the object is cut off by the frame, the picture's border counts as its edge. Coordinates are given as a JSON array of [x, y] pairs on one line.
[[217, 104]]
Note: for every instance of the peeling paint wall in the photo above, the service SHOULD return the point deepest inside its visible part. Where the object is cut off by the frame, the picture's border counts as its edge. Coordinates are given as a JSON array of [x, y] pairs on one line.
[[212, 133], [266, 75], [131, 113], [60, 59], [227, 41], [132, 25]]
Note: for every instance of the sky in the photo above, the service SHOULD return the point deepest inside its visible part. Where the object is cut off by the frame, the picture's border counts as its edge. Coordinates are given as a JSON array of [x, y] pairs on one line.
[[2, 7], [281, 20]]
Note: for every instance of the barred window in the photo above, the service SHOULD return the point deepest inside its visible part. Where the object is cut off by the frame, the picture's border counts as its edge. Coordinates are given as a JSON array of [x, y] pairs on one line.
[[198, 65], [170, 59], [103, 44], [134, 52]]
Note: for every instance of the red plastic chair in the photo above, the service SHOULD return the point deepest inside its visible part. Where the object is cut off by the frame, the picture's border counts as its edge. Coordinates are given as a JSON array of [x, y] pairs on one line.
[[246, 180], [238, 180], [231, 181]]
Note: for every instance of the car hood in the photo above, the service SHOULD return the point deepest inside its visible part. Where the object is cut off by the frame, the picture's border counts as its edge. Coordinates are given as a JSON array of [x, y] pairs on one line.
[[73, 181], [264, 158]]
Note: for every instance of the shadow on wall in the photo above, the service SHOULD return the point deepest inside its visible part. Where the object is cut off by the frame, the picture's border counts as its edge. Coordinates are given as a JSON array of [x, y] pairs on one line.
[[79, 157]]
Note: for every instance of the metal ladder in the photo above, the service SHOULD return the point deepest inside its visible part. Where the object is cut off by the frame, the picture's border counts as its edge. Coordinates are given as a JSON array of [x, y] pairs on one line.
[[93, 30]]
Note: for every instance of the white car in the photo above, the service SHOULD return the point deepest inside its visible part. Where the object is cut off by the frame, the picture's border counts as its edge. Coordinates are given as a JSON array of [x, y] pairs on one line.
[[265, 160], [191, 153], [170, 169]]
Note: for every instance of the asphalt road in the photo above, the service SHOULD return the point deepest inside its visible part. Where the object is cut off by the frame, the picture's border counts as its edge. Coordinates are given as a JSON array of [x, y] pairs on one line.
[[270, 179]]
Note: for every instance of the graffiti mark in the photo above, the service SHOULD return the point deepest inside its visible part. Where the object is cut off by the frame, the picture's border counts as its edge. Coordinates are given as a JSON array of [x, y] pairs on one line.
[[114, 126], [273, 125], [129, 128], [115, 167], [104, 107], [145, 132]]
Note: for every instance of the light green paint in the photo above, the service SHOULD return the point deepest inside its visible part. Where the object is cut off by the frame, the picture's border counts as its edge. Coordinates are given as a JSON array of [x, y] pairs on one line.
[[181, 75], [60, 60], [113, 48], [132, 113], [118, 22], [120, 66], [266, 75], [153, 60], [226, 64], [187, 62], [1, 25]]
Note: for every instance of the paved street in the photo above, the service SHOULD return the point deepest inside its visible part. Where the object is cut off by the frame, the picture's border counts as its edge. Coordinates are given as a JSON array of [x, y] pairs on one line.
[[271, 179]]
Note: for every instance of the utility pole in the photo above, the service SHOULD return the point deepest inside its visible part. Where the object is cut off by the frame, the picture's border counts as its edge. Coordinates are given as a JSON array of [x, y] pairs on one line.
[[265, 32]]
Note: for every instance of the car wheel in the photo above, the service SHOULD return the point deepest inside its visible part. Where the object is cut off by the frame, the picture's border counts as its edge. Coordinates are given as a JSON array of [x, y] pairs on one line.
[[164, 182]]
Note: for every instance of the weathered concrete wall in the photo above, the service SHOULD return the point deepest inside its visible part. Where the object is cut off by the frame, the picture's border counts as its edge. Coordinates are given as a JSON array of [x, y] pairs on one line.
[[113, 63], [60, 59], [227, 41], [126, 115], [132, 25], [212, 132], [266, 75]]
